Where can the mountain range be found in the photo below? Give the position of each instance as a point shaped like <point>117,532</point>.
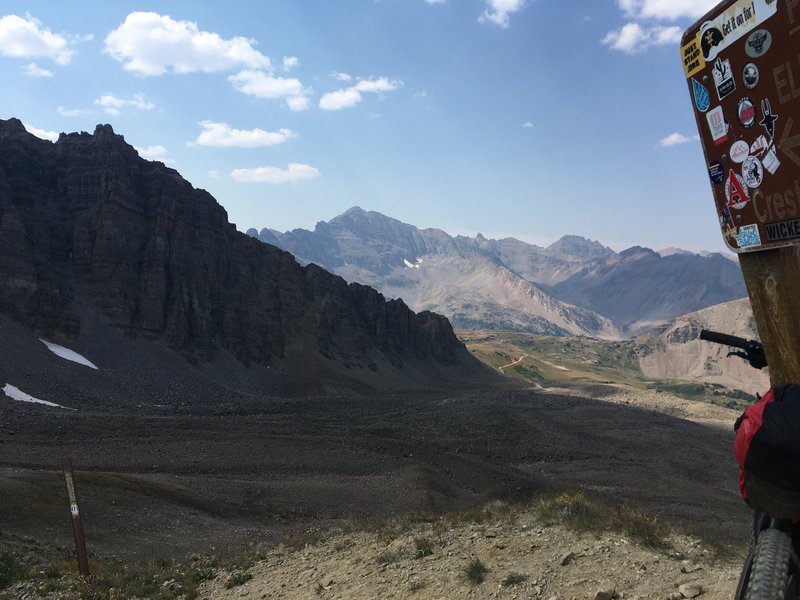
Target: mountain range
<point>575,286</point>
<point>97,243</point>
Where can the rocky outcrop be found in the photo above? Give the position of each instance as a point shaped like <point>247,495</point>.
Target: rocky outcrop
<point>675,350</point>
<point>86,220</point>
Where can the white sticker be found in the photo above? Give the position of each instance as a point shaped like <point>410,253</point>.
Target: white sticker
<point>759,146</point>
<point>771,161</point>
<point>752,172</point>
<point>739,151</point>
<point>717,124</point>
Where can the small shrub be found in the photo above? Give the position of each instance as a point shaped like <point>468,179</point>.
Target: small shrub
<point>644,527</point>
<point>585,514</point>
<point>203,573</point>
<point>416,586</point>
<point>238,578</point>
<point>11,570</point>
<point>546,511</point>
<point>476,570</point>
<point>424,547</point>
<point>513,579</point>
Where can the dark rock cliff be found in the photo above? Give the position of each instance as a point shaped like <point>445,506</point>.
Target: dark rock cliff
<point>86,220</point>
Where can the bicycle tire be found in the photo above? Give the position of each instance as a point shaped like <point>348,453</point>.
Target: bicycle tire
<point>770,572</point>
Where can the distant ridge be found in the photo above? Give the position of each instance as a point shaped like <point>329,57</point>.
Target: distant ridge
<point>574,286</point>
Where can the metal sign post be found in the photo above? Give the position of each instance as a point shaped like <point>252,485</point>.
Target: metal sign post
<point>742,66</point>
<point>77,527</point>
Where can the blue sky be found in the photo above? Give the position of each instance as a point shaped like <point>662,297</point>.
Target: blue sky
<point>524,118</point>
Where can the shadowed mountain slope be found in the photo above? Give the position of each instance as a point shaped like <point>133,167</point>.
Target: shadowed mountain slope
<point>89,230</point>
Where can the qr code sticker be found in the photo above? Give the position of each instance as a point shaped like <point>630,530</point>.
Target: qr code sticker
<point>748,236</point>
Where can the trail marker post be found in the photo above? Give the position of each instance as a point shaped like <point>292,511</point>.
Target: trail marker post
<point>77,526</point>
<point>742,66</point>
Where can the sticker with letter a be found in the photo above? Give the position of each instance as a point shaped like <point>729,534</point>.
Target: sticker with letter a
<point>736,191</point>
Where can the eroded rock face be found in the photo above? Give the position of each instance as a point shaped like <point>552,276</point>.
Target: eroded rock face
<point>85,219</point>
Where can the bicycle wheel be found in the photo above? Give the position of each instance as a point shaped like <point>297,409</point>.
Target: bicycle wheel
<point>770,571</point>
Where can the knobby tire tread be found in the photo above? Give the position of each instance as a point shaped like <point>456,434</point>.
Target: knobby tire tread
<point>770,571</point>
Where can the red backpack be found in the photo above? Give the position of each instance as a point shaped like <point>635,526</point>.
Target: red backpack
<point>767,448</point>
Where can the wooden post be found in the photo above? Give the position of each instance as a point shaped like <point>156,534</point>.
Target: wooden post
<point>772,278</point>
<point>77,527</point>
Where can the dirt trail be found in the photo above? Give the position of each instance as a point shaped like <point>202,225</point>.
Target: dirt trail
<point>512,363</point>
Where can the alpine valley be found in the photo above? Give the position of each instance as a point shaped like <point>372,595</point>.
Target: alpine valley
<point>573,287</point>
<point>216,392</point>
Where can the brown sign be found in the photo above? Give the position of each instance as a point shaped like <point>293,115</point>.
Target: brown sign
<point>742,64</point>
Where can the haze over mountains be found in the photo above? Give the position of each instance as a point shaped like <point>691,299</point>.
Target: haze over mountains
<point>573,287</point>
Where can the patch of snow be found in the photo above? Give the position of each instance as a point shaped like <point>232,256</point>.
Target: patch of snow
<point>411,265</point>
<point>16,394</point>
<point>68,354</point>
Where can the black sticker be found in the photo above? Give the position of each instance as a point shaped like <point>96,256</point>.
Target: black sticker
<point>716,171</point>
<point>723,78</point>
<point>768,122</point>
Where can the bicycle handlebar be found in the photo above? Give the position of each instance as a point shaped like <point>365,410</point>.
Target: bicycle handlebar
<point>723,338</point>
<point>753,350</point>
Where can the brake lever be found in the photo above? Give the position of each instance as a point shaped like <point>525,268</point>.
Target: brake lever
<point>754,355</point>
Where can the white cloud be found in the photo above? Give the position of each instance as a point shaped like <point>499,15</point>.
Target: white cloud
<point>668,10</point>
<point>294,172</point>
<point>527,125</point>
<point>498,11</point>
<point>113,105</point>
<point>435,1</point>
<point>632,38</point>
<point>341,76</point>
<point>71,112</point>
<point>150,44</point>
<point>290,62</point>
<point>25,38</point>
<point>221,135</point>
<point>676,138</point>
<point>265,85</point>
<point>297,103</point>
<point>157,152</point>
<point>51,136</point>
<point>34,70</point>
<point>214,174</point>
<point>349,97</point>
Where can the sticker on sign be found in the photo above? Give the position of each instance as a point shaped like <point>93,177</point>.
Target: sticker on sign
<point>748,51</point>
<point>723,30</point>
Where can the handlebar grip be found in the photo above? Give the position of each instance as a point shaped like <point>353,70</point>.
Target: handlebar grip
<point>723,338</point>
